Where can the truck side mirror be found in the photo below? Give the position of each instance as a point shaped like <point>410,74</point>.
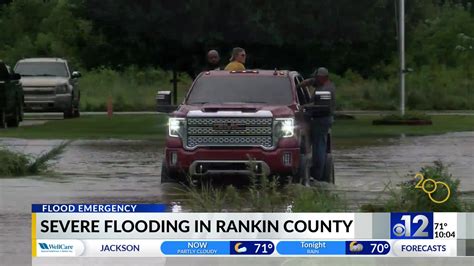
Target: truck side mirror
<point>76,74</point>
<point>163,102</point>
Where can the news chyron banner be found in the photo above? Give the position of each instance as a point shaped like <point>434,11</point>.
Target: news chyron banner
<point>149,230</point>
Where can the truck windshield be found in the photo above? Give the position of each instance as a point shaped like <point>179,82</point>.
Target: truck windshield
<point>241,89</point>
<point>44,69</point>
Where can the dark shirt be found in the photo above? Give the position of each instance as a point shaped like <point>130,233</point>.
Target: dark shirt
<point>209,67</point>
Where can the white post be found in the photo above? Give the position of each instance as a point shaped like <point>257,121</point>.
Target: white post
<point>402,54</point>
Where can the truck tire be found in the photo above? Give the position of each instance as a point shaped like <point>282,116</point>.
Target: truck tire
<point>3,122</point>
<point>15,120</point>
<point>77,113</point>
<point>69,112</point>
<point>22,112</point>
<point>328,173</point>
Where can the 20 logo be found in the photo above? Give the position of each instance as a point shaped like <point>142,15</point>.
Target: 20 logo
<point>429,186</point>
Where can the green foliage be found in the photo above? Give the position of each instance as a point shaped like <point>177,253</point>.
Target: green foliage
<point>13,164</point>
<point>131,89</point>
<point>409,198</point>
<point>263,194</point>
<point>362,128</point>
<point>432,87</point>
<point>33,28</point>
<point>40,164</point>
<point>407,116</point>
<point>17,164</point>
<point>439,49</point>
<point>121,45</point>
<point>208,198</point>
<point>444,38</point>
<point>312,199</point>
<point>121,32</point>
<point>150,127</point>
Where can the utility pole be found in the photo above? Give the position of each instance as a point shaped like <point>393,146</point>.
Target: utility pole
<point>401,39</point>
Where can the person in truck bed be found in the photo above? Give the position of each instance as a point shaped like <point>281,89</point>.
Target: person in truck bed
<point>320,125</point>
<point>237,60</point>
<point>213,61</point>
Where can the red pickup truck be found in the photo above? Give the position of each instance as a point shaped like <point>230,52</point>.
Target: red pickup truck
<point>231,118</point>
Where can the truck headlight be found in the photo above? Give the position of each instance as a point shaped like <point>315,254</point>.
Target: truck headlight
<point>61,89</point>
<point>176,126</point>
<point>284,127</point>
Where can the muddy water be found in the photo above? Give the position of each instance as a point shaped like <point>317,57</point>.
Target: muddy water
<point>129,171</point>
<point>370,168</point>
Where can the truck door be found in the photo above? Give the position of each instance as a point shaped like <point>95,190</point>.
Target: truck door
<point>301,121</point>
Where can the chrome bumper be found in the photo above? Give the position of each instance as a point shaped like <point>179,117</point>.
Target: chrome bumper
<point>228,167</point>
<point>59,102</point>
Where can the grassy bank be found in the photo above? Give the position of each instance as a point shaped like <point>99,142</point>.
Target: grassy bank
<point>95,127</point>
<point>154,127</point>
<point>431,87</point>
<point>131,89</point>
<point>362,127</point>
<point>262,195</point>
<point>268,195</point>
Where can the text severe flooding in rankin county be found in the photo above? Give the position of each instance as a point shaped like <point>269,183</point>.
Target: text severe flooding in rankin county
<point>231,226</point>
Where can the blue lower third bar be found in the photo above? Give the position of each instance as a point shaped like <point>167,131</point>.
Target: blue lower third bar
<point>311,248</point>
<point>194,248</point>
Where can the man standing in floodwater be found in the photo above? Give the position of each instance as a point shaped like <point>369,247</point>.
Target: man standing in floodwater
<point>320,125</point>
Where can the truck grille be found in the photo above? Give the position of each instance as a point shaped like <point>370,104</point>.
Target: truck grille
<point>46,91</point>
<point>239,131</point>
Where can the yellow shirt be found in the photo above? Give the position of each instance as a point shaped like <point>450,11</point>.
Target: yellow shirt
<point>234,66</point>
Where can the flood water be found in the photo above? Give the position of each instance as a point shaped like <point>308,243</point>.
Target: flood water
<point>105,171</point>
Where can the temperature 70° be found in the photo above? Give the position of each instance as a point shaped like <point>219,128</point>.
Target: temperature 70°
<point>379,248</point>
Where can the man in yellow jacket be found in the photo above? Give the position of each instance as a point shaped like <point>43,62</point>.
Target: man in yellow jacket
<point>237,60</point>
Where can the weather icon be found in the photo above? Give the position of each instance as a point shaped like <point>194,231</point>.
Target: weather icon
<point>239,249</point>
<point>355,247</point>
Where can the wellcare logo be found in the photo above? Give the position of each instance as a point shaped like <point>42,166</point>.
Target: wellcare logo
<point>56,248</point>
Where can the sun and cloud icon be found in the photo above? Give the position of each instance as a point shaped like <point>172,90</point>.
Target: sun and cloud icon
<point>239,249</point>
<point>355,247</point>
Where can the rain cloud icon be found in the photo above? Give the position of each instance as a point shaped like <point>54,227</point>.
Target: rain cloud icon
<point>355,247</point>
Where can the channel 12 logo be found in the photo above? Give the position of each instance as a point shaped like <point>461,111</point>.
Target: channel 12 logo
<point>411,225</point>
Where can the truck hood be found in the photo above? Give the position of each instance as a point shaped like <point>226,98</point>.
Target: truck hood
<point>276,110</point>
<point>43,81</point>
